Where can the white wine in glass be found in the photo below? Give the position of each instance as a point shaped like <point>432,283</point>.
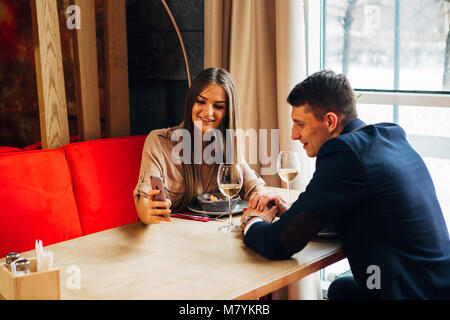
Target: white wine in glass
<point>229,180</point>
<point>230,190</point>
<point>288,167</point>
<point>288,175</point>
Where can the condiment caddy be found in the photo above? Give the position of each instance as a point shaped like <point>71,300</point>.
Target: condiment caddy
<point>29,279</point>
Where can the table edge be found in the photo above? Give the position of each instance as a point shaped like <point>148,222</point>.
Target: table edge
<point>291,276</point>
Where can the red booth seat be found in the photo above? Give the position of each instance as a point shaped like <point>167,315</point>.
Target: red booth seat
<point>57,195</point>
<point>104,174</point>
<point>9,149</point>
<point>36,200</point>
<point>38,145</point>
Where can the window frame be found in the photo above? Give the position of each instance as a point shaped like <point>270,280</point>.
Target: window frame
<point>315,47</point>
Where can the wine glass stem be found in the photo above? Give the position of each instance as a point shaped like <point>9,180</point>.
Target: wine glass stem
<point>231,215</point>
<point>289,193</point>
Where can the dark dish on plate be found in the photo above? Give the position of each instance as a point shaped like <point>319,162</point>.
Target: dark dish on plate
<point>216,202</point>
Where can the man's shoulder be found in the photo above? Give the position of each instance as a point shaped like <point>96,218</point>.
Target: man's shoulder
<point>364,139</point>
<point>371,133</point>
<point>380,129</point>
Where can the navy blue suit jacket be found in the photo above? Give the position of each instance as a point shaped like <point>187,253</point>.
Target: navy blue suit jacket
<point>377,192</point>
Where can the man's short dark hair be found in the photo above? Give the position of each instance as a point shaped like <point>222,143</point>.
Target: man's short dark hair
<point>326,91</point>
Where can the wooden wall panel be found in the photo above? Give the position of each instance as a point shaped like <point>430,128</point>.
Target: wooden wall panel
<point>86,73</point>
<point>116,69</point>
<point>49,73</point>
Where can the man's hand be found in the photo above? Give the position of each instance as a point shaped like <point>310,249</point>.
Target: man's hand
<point>260,200</point>
<point>267,214</point>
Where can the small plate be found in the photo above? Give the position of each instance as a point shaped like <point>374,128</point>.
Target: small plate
<point>195,207</point>
<point>220,204</point>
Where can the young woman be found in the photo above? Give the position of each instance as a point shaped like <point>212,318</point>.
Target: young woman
<point>211,103</point>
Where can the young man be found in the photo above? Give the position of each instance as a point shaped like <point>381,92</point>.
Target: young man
<point>372,186</point>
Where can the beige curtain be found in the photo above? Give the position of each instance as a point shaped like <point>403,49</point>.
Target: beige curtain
<point>262,44</point>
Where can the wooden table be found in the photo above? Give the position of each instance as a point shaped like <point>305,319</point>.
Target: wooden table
<point>183,259</point>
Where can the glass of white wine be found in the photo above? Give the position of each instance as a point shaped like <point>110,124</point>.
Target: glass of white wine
<point>229,180</point>
<point>288,167</point>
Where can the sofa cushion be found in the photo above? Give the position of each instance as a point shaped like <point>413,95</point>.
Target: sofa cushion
<point>104,174</point>
<point>9,149</point>
<point>36,200</point>
<point>38,145</point>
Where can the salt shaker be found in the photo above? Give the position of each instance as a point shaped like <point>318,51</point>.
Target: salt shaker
<point>21,267</point>
<point>10,257</point>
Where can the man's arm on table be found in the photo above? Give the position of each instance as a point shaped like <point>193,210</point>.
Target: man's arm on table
<point>338,185</point>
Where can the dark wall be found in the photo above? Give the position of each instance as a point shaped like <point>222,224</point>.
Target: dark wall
<point>157,74</point>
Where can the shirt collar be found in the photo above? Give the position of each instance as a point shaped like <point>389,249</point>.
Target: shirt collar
<point>355,124</point>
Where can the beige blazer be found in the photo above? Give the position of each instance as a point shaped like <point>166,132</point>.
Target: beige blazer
<point>157,161</point>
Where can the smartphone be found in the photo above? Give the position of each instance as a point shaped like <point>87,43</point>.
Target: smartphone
<point>157,184</point>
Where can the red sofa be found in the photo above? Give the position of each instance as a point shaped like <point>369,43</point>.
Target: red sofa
<point>60,194</point>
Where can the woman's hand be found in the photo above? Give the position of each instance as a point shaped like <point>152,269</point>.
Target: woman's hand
<point>268,214</point>
<point>260,200</point>
<point>153,211</point>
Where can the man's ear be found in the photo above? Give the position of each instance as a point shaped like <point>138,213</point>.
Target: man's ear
<point>332,121</point>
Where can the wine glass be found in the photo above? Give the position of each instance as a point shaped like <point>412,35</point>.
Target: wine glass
<point>288,166</point>
<point>229,180</point>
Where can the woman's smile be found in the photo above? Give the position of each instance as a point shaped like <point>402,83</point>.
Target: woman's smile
<point>210,108</point>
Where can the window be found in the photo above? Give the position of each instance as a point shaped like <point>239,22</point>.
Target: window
<point>388,44</point>
<point>396,53</point>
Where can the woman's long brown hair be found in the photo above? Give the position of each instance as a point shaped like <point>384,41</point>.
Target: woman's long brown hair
<point>209,76</point>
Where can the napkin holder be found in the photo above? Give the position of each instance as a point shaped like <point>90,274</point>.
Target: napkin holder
<point>36,285</point>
